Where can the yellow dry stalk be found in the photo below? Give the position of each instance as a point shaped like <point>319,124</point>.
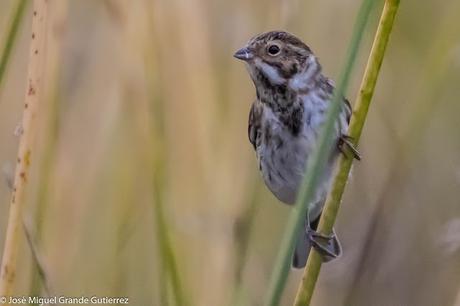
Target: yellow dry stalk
<point>27,136</point>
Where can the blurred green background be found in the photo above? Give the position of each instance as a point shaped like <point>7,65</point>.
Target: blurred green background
<point>146,185</point>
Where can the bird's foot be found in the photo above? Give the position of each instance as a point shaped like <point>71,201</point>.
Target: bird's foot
<point>328,246</point>
<point>347,147</point>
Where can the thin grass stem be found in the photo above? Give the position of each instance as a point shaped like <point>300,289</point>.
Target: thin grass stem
<point>166,252</point>
<point>307,285</point>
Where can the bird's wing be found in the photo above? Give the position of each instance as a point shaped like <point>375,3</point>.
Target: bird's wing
<point>254,124</point>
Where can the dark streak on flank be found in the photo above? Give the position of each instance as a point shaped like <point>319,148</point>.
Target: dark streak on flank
<point>280,175</point>
<point>282,160</point>
<point>267,134</point>
<point>279,143</point>
<point>308,118</point>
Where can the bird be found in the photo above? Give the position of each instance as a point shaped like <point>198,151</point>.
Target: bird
<point>291,104</point>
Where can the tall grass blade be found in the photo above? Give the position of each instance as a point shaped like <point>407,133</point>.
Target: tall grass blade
<point>11,37</point>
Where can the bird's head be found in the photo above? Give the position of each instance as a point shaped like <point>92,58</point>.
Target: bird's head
<point>279,58</point>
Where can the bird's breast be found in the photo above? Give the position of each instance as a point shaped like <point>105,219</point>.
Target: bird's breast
<point>282,154</point>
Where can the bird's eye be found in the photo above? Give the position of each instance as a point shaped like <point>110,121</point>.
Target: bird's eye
<point>273,50</point>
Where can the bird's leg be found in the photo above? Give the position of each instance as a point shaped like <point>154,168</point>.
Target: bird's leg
<point>328,246</point>
<point>345,146</point>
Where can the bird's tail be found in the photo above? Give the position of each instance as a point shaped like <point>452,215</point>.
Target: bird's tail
<point>299,260</point>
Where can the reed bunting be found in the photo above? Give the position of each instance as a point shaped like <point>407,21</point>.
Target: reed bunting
<point>284,123</point>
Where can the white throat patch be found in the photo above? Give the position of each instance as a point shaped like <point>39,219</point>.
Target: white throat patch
<point>271,73</point>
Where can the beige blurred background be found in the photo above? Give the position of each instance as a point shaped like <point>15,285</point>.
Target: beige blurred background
<point>146,186</point>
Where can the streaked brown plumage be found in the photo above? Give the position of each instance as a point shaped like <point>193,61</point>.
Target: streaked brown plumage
<point>292,100</point>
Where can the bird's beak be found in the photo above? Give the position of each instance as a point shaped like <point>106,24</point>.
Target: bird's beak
<point>244,54</point>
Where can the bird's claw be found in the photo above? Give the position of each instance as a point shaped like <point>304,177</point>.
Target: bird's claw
<point>327,246</point>
<point>346,146</point>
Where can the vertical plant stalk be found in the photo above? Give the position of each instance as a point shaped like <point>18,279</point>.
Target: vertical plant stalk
<point>57,19</point>
<point>170,276</point>
<point>11,37</point>
<point>317,163</point>
<point>366,92</point>
<point>162,227</point>
<point>27,136</point>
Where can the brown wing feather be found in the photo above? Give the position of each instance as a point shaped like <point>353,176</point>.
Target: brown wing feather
<point>254,123</point>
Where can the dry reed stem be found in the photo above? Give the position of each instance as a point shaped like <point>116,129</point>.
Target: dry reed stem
<point>27,136</point>
<point>57,21</point>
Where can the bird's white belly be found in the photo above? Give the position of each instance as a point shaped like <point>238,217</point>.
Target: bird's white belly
<point>283,170</point>
<point>283,158</point>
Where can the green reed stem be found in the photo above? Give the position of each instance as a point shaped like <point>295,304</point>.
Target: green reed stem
<point>166,251</point>
<point>11,36</point>
<point>166,246</point>
<point>162,228</point>
<point>316,165</point>
<point>307,285</point>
